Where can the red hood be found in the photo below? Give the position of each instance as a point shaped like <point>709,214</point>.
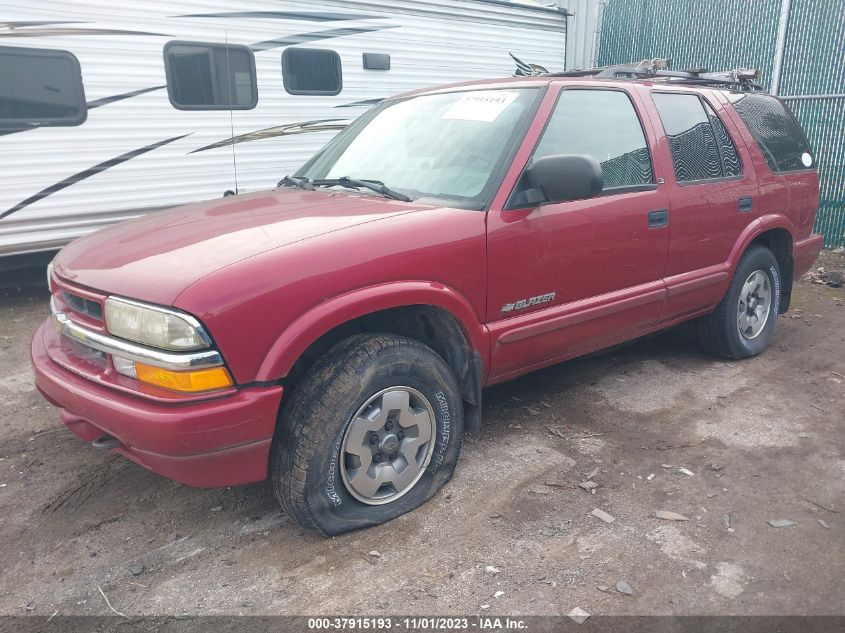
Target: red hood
<point>156,257</point>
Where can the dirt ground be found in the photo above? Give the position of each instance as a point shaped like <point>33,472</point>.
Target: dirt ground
<point>512,533</point>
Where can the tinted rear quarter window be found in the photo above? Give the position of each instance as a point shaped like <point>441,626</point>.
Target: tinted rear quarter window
<point>210,76</point>
<point>776,131</point>
<point>311,71</point>
<point>731,163</point>
<point>40,87</point>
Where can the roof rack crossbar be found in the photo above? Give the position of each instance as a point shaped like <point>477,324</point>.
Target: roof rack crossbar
<point>737,79</point>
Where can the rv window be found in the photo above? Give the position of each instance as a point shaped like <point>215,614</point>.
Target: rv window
<point>40,87</point>
<point>210,76</point>
<point>311,71</point>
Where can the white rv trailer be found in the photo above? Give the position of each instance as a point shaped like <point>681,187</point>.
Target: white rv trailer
<point>109,110</point>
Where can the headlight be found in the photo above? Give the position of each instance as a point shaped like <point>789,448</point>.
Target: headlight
<point>153,326</point>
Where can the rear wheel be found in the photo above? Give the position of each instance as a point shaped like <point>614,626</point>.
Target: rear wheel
<point>744,321</point>
<point>372,432</point>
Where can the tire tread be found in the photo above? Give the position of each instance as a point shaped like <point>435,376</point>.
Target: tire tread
<point>301,433</point>
<point>713,329</point>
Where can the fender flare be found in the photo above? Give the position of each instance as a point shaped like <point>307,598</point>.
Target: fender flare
<point>322,318</point>
<point>754,230</point>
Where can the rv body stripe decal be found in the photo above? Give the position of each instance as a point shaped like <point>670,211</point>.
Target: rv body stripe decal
<point>302,38</point>
<point>17,25</point>
<point>61,31</point>
<point>314,16</point>
<point>87,173</point>
<point>365,102</point>
<point>126,95</point>
<point>90,105</point>
<point>303,127</point>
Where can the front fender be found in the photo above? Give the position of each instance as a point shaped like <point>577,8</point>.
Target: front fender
<point>309,327</point>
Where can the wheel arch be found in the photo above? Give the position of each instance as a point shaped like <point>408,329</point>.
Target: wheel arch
<point>777,233</point>
<point>431,313</point>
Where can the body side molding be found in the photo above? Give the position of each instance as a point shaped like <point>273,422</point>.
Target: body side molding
<point>558,317</point>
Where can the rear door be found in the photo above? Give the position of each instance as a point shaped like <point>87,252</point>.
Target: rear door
<point>566,277</point>
<point>713,193</point>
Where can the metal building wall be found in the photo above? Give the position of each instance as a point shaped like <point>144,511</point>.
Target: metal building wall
<point>735,33</point>
<point>582,29</point>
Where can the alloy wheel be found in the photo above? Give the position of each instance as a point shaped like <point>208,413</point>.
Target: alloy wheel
<point>387,445</point>
<point>755,299</point>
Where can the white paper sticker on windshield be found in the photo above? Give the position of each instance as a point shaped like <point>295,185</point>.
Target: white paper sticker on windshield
<point>806,159</point>
<point>481,105</point>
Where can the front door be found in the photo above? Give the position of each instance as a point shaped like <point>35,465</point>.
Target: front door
<point>570,276</point>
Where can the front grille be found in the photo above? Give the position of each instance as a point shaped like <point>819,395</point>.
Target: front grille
<point>86,307</point>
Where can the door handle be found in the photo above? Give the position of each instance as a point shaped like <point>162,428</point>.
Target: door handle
<point>744,204</point>
<point>658,218</point>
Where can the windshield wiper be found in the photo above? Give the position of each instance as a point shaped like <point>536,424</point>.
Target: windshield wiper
<point>373,185</point>
<point>293,181</point>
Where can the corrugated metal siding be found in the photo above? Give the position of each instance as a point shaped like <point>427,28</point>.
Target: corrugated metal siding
<point>735,33</point>
<point>582,32</point>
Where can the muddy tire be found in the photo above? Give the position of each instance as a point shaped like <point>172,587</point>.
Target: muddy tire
<point>744,321</point>
<point>372,432</point>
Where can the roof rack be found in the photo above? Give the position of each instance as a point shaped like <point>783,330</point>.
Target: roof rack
<point>743,79</point>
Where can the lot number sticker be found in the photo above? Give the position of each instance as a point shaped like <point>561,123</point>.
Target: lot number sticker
<point>481,105</point>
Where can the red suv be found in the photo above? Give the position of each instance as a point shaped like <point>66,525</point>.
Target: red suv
<point>335,334</point>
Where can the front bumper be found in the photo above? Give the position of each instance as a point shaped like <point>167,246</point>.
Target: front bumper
<point>210,443</point>
<point>805,252</point>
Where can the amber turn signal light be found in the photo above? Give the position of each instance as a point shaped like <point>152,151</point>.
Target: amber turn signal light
<point>186,381</point>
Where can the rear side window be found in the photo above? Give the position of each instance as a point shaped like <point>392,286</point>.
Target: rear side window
<point>40,87</point>
<point>776,131</point>
<point>210,76</point>
<point>731,163</point>
<point>602,124</point>
<point>311,71</point>
<point>700,145</point>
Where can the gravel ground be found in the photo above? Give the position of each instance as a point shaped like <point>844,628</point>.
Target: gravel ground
<point>656,425</point>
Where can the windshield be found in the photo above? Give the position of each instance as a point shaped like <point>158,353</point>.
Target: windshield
<point>443,145</point>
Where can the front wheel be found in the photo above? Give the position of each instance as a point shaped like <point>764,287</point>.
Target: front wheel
<point>744,321</point>
<point>372,432</point>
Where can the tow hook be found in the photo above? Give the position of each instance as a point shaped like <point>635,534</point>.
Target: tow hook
<point>106,443</point>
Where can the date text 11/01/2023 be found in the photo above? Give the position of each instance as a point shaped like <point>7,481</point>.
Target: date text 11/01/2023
<point>417,623</point>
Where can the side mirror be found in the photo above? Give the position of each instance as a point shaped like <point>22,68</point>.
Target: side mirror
<point>564,177</point>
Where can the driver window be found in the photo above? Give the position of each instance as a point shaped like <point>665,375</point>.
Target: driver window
<point>602,124</point>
